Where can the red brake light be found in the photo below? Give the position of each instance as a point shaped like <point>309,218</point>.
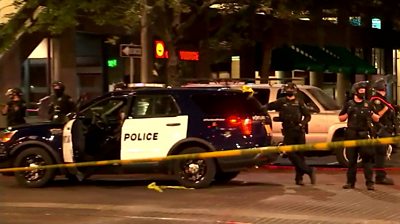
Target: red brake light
<point>234,121</point>
<point>244,124</point>
<point>247,126</point>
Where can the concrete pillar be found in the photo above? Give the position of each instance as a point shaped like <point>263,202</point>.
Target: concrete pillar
<point>284,76</point>
<point>235,67</point>
<point>398,88</point>
<point>10,72</point>
<point>10,76</point>
<point>25,86</point>
<point>342,85</point>
<point>146,61</point>
<point>388,61</point>
<point>316,79</point>
<point>203,68</point>
<point>64,62</point>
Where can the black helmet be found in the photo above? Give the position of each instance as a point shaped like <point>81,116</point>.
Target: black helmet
<point>359,85</point>
<point>119,86</point>
<point>58,85</point>
<point>14,92</point>
<point>289,88</point>
<point>379,84</point>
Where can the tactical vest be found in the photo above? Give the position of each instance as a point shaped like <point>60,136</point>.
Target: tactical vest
<point>290,113</point>
<point>16,117</point>
<point>359,116</point>
<point>388,118</point>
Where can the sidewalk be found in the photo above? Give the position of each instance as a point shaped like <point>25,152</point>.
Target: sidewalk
<point>326,202</point>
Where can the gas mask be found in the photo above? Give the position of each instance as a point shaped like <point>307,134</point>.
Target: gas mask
<point>58,92</point>
<point>289,93</point>
<point>360,95</point>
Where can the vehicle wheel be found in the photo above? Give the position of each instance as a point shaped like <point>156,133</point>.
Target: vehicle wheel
<point>225,177</point>
<point>32,157</point>
<point>194,173</point>
<point>342,155</point>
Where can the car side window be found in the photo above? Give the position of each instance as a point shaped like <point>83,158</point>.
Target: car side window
<point>109,107</point>
<point>154,106</point>
<point>165,106</point>
<point>279,94</point>
<point>141,106</point>
<point>308,102</point>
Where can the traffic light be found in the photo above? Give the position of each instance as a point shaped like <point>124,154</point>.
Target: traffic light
<point>112,63</point>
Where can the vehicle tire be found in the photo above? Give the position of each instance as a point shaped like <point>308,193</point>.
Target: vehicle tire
<point>225,177</point>
<point>34,157</point>
<point>194,173</point>
<point>341,154</point>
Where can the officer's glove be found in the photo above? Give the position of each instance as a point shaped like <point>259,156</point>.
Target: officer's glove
<point>282,153</point>
<point>388,152</point>
<point>303,124</point>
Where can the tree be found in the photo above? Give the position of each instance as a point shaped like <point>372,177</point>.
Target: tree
<point>170,19</point>
<point>230,24</point>
<point>55,16</point>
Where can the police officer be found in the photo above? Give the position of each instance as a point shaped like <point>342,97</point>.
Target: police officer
<point>120,86</point>
<point>60,103</point>
<point>15,109</point>
<point>384,128</point>
<point>294,116</point>
<point>359,115</point>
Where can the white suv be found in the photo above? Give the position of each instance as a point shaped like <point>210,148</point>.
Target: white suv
<point>324,125</point>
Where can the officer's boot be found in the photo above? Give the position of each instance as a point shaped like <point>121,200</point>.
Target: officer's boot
<point>370,187</point>
<point>299,179</point>
<point>348,186</point>
<point>299,182</point>
<point>384,181</point>
<point>312,175</point>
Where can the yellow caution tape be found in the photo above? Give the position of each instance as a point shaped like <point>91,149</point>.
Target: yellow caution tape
<point>223,153</point>
<point>153,186</point>
<point>159,188</point>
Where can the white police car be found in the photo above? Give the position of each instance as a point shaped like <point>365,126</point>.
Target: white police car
<point>145,123</point>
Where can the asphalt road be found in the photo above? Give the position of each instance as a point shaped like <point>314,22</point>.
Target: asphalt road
<point>255,196</point>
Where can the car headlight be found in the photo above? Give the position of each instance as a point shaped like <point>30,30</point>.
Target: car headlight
<point>6,136</point>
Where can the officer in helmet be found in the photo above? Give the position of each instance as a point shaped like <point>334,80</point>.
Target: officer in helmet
<point>15,108</point>
<point>384,128</point>
<point>120,86</point>
<point>294,116</point>
<point>60,103</point>
<point>359,115</point>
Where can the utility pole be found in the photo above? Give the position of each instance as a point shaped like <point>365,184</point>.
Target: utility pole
<point>146,59</point>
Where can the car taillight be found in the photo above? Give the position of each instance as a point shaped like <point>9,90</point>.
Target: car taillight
<point>245,125</point>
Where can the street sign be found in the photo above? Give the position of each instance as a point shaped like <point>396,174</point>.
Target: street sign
<point>130,50</point>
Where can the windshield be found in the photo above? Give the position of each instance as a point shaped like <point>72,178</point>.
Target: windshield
<point>324,99</point>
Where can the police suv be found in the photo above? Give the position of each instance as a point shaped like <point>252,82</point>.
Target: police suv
<point>141,124</point>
